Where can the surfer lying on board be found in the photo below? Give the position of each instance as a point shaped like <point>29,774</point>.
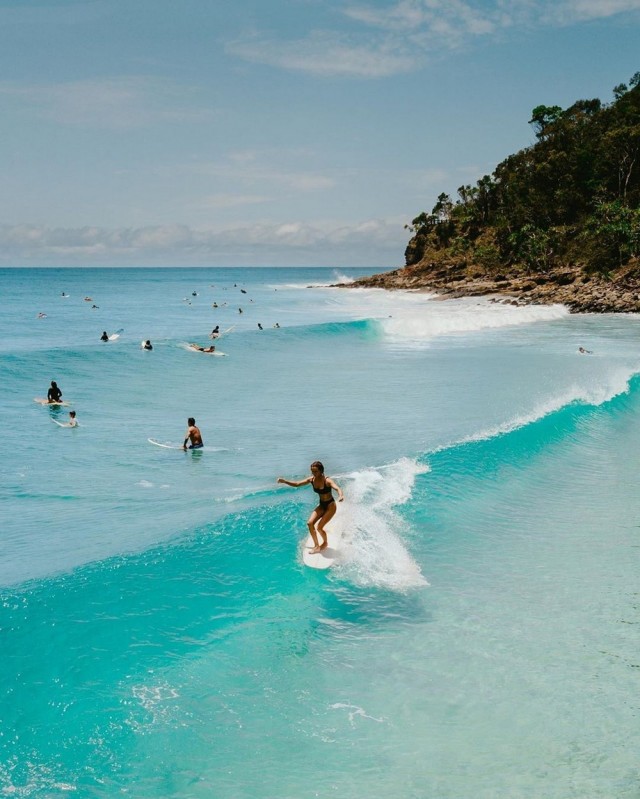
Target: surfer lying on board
<point>326,508</point>
<point>202,349</point>
<point>193,434</point>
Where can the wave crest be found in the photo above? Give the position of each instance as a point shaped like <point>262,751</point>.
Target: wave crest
<point>375,553</point>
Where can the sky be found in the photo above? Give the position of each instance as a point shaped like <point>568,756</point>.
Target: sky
<point>273,132</point>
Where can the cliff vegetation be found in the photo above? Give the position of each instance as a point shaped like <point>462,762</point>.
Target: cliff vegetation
<point>558,221</point>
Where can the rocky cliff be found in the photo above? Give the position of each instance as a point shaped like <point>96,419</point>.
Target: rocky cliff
<point>570,285</point>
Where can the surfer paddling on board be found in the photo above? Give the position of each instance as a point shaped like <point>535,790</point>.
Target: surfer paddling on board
<point>54,394</point>
<point>326,508</point>
<point>193,434</point>
<point>197,347</point>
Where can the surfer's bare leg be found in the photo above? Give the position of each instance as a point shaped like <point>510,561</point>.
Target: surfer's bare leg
<point>325,519</point>
<point>311,524</point>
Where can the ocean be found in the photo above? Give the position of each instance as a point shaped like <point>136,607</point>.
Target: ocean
<point>161,637</point>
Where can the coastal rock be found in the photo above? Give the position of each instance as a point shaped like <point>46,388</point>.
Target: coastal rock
<point>568,285</point>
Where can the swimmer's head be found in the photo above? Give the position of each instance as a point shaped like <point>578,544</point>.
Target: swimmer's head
<point>317,465</point>
<point>72,414</point>
<point>191,420</point>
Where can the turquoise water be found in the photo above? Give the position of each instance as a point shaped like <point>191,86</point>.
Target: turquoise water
<point>160,635</point>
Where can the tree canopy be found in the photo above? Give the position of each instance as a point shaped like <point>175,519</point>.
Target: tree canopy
<point>571,197</point>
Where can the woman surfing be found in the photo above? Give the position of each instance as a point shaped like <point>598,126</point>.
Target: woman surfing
<point>326,508</point>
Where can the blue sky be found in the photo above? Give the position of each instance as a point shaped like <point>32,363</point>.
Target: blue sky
<point>273,132</point>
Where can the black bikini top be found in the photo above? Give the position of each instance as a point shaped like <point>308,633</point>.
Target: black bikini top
<point>326,490</point>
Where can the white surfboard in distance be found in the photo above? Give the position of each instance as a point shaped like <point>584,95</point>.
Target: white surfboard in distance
<point>328,556</point>
<point>220,335</point>
<point>65,424</point>
<point>164,445</point>
<point>191,348</point>
<point>44,401</point>
<point>172,445</point>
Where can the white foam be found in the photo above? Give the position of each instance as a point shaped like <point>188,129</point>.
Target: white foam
<point>374,535</point>
<point>617,383</point>
<point>343,280</point>
<point>448,317</point>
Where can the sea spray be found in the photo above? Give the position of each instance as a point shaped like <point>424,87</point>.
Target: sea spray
<point>375,536</point>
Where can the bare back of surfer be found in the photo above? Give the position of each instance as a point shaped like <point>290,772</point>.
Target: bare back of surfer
<point>326,508</point>
<point>193,435</point>
<point>54,394</point>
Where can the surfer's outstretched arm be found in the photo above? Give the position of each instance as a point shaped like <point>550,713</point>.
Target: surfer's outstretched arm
<point>331,482</point>
<point>293,483</point>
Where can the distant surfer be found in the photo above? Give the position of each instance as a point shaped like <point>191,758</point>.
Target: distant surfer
<point>197,347</point>
<point>73,422</point>
<point>193,435</point>
<point>326,507</point>
<point>147,345</point>
<point>42,315</point>
<point>54,394</point>
<point>582,351</point>
<point>260,326</point>
<point>215,332</point>
<point>104,336</point>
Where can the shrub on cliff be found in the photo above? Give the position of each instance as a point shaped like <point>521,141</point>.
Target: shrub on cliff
<point>574,194</point>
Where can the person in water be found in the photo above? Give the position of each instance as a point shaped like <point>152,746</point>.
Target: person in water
<point>54,394</point>
<point>582,351</point>
<point>193,435</point>
<point>104,336</point>
<point>195,346</point>
<point>326,507</point>
<point>147,345</point>
<point>215,332</point>
<point>73,422</point>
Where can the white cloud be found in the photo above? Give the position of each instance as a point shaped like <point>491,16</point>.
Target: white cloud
<point>374,241</point>
<point>396,37</point>
<point>329,54</point>
<point>579,10</point>
<point>122,102</point>
<point>231,200</point>
<point>247,169</point>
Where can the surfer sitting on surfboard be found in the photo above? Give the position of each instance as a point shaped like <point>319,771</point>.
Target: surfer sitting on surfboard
<point>193,434</point>
<point>326,508</point>
<point>54,394</point>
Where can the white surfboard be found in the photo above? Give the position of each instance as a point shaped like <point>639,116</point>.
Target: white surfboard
<point>44,401</point>
<point>114,336</point>
<point>168,445</point>
<point>195,349</point>
<point>64,424</point>
<point>220,335</point>
<point>328,556</point>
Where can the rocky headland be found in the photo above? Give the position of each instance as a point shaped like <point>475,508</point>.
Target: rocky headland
<point>569,285</point>
<point>556,222</point>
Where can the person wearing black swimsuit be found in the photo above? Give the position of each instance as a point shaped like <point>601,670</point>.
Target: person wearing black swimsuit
<point>326,507</point>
